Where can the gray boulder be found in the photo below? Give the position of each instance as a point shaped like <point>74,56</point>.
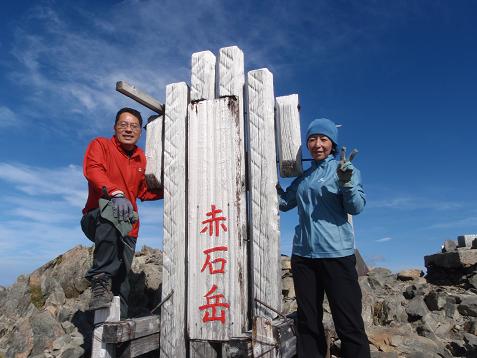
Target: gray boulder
<point>435,300</point>
<point>449,246</point>
<point>416,308</point>
<point>468,306</point>
<point>409,275</point>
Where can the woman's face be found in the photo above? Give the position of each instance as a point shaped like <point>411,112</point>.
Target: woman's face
<point>320,146</point>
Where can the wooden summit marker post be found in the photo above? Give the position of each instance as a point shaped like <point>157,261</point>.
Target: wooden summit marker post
<point>217,303</point>
<point>221,288</point>
<point>213,245</point>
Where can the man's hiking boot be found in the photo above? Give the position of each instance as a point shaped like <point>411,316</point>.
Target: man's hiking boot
<point>101,294</point>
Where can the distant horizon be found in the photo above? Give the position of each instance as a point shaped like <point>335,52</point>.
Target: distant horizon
<point>400,77</point>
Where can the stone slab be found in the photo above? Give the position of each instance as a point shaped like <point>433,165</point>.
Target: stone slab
<point>466,240</point>
<point>458,259</point>
<point>409,274</point>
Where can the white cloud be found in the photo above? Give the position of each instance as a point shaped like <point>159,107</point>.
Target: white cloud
<point>73,58</point>
<point>384,239</point>
<point>7,117</point>
<point>413,203</point>
<point>67,182</point>
<point>466,222</point>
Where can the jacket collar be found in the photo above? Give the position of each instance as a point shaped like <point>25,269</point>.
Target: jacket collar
<point>116,142</point>
<point>321,163</point>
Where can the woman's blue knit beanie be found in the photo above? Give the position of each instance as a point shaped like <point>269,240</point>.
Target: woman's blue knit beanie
<point>323,126</point>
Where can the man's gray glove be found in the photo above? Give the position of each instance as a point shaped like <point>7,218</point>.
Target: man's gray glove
<point>122,208</point>
<point>345,168</point>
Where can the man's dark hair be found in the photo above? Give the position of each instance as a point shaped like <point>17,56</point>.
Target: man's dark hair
<point>131,111</point>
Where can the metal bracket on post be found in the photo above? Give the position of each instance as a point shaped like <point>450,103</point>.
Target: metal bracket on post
<point>163,301</point>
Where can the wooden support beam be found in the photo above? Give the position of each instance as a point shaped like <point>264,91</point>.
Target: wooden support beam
<point>263,341</point>
<point>140,346</point>
<point>265,231</point>
<point>140,97</point>
<point>173,311</point>
<point>202,76</point>
<point>100,348</point>
<point>123,331</point>
<point>287,116</point>
<point>154,153</point>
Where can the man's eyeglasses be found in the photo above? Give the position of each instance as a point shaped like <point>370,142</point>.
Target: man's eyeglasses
<point>134,127</point>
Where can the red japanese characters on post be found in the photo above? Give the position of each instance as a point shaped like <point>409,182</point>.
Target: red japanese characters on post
<point>214,224</point>
<point>214,304</point>
<point>219,261</point>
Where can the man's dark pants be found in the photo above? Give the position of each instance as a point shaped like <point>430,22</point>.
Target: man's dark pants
<point>113,254</point>
<point>337,278</point>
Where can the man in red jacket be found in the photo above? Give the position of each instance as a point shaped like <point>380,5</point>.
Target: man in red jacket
<point>114,168</point>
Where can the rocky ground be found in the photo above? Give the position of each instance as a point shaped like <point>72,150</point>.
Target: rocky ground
<point>406,315</point>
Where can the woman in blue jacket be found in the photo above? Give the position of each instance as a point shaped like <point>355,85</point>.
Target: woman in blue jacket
<point>323,258</point>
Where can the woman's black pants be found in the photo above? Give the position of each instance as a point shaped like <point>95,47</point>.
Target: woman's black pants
<point>337,278</point>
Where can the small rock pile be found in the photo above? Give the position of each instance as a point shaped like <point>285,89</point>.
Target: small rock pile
<point>44,315</point>
<point>456,264</point>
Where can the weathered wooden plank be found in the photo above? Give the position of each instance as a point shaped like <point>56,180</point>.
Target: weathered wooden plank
<point>231,82</point>
<point>139,96</point>
<point>215,192</point>
<point>173,311</point>
<point>265,235</point>
<point>203,76</point>
<point>284,333</point>
<point>154,153</point>
<point>204,349</point>
<point>288,135</point>
<point>263,340</point>
<point>237,348</point>
<point>123,331</point>
<point>101,349</point>
<point>140,346</point>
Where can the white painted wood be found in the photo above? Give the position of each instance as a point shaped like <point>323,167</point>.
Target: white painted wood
<point>230,72</point>
<point>173,314</point>
<point>265,235</point>
<point>231,82</point>
<point>111,314</point>
<point>288,135</point>
<point>139,96</point>
<point>263,341</point>
<point>203,76</point>
<point>154,153</point>
<point>215,178</point>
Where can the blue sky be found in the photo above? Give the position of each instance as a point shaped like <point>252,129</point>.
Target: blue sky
<point>400,76</point>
